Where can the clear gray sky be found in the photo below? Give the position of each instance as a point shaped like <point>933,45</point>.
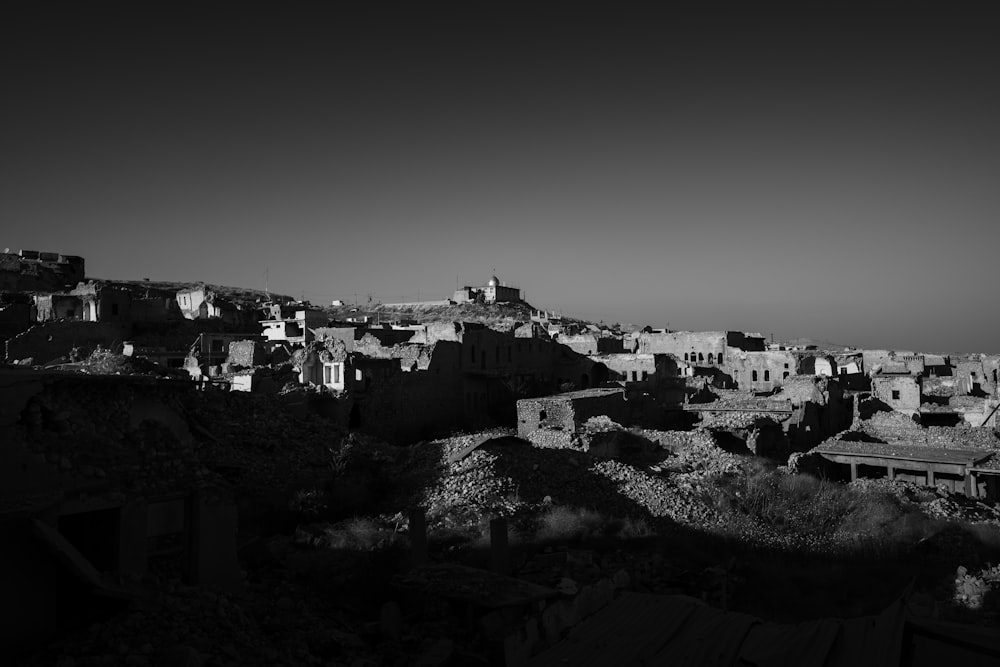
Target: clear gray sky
<point>830,176</point>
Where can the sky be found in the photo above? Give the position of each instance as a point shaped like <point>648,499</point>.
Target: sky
<point>831,176</point>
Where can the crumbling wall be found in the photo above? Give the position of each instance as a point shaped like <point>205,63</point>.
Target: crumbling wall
<point>565,412</point>
<point>50,340</point>
<point>246,353</point>
<point>629,367</point>
<point>971,377</point>
<point>551,413</point>
<point>50,307</point>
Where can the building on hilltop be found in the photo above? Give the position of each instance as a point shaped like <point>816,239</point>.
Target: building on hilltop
<point>494,291</point>
<point>33,271</point>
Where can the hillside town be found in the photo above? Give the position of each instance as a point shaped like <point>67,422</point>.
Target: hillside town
<point>180,460</point>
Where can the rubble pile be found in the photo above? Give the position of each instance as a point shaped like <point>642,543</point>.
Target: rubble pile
<point>733,421</point>
<point>259,441</point>
<point>274,622</point>
<point>971,590</point>
<point>492,481</point>
<point>91,434</point>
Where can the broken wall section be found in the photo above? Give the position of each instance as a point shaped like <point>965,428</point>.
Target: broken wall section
<point>45,342</point>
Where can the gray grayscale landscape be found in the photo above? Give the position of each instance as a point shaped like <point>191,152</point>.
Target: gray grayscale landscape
<point>498,337</point>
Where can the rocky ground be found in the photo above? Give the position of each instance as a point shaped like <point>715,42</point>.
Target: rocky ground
<point>321,596</point>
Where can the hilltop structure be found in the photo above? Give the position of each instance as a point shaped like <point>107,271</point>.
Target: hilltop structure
<point>494,291</point>
<point>31,270</point>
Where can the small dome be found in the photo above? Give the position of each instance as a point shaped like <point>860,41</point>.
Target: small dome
<point>493,282</point>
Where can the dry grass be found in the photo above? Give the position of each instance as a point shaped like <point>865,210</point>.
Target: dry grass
<point>569,524</point>
<point>801,506</point>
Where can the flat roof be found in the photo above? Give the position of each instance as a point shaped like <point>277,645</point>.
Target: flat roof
<point>905,451</point>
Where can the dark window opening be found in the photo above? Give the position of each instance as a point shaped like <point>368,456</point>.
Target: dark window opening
<point>785,374</point>
<point>755,376</point>
<point>216,345</point>
<point>543,415</point>
<point>711,358</point>
<point>685,356</point>
<point>645,375</point>
<point>786,365</point>
<point>895,394</point>
<point>701,357</point>
<point>767,376</point>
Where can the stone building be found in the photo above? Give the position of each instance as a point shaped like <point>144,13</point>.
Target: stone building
<point>494,291</point>
<point>33,271</point>
<point>900,391</point>
<point>761,371</point>
<point>296,330</point>
<point>563,414</point>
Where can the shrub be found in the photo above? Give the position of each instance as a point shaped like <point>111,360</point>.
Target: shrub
<point>358,534</point>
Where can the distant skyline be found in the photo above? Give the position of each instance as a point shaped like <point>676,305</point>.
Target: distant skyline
<point>831,177</point>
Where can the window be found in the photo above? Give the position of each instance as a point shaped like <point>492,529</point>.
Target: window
<point>326,375</point>
<point>686,356</point>
<point>786,365</point>
<point>336,373</point>
<point>216,345</point>
<point>895,394</point>
<point>542,415</point>
<point>711,358</point>
<point>358,375</point>
<point>755,376</point>
<point>701,357</point>
<point>635,376</point>
<point>767,376</point>
<point>784,375</point>
<point>645,375</point>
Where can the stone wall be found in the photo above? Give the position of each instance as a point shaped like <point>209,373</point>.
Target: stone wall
<point>580,343</point>
<point>628,367</point>
<point>701,347</point>
<point>566,412</point>
<point>246,353</point>
<point>899,392</point>
<point>50,340</point>
<point>50,307</point>
<point>760,371</point>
